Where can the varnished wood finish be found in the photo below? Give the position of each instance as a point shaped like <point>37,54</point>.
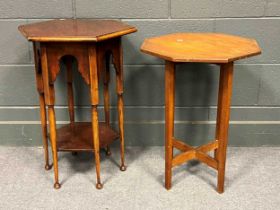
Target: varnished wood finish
<point>182,158</point>
<point>56,51</point>
<point>198,153</point>
<point>225,89</point>
<point>201,47</point>
<point>106,94</point>
<point>40,89</point>
<point>95,130</point>
<point>212,145</point>
<point>118,63</point>
<point>91,43</point>
<point>52,122</point>
<point>44,130</point>
<point>219,49</point>
<point>70,30</point>
<point>169,119</point>
<point>70,90</point>
<point>78,137</point>
<point>94,114</point>
<point>50,100</point>
<point>181,145</point>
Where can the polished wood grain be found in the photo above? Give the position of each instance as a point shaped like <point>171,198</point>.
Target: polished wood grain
<point>198,153</point>
<point>44,130</point>
<point>43,115</point>
<point>69,65</point>
<point>220,49</point>
<point>52,122</point>
<point>212,145</point>
<point>94,114</point>
<point>91,43</point>
<point>225,90</point>
<point>106,93</point>
<point>57,51</point>
<point>200,47</point>
<point>50,100</point>
<point>118,63</point>
<point>78,137</point>
<point>73,30</point>
<point>180,145</point>
<point>182,158</point>
<point>169,119</point>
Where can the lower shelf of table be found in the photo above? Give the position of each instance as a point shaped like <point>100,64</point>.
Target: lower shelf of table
<point>78,137</point>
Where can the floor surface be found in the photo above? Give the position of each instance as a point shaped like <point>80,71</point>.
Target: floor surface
<point>252,181</point>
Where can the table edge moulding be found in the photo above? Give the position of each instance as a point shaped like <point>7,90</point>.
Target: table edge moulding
<point>73,30</point>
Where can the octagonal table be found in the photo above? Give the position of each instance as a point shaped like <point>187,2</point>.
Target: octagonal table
<point>213,48</point>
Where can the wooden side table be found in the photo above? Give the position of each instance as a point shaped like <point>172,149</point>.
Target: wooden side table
<point>220,49</point>
<point>91,43</point>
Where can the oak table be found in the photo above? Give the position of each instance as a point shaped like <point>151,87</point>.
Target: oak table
<point>91,43</point>
<point>213,48</point>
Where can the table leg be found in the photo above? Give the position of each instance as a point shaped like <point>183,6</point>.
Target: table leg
<point>70,95</point>
<point>223,115</point>
<point>70,90</point>
<point>121,126</point>
<point>39,83</point>
<point>44,130</point>
<point>107,96</point>
<point>94,114</point>
<point>52,122</point>
<point>169,119</point>
<point>49,98</point>
<point>95,129</point>
<point>118,62</point>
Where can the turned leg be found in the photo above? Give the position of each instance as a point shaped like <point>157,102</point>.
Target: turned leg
<point>121,130</point>
<point>107,96</point>
<point>44,130</point>
<point>53,143</point>
<point>50,99</point>
<point>94,113</point>
<point>96,145</point>
<point>118,62</point>
<point>223,115</point>
<point>70,94</point>
<point>169,119</point>
<point>39,83</point>
<point>70,91</point>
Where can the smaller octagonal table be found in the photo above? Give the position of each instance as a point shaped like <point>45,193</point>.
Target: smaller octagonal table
<point>220,49</point>
<point>91,43</point>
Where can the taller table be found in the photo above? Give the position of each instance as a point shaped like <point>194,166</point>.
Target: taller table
<point>220,49</point>
<point>91,43</point>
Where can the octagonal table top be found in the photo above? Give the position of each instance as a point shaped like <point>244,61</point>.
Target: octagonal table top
<point>201,47</point>
<point>75,30</point>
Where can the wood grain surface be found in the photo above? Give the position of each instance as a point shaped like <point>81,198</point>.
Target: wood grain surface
<point>75,30</point>
<point>200,47</point>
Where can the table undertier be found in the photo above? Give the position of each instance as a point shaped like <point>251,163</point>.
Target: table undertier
<point>78,136</point>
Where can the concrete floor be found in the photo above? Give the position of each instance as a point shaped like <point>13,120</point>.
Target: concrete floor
<point>252,181</point>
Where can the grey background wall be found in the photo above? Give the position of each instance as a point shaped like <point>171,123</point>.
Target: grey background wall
<point>255,113</point>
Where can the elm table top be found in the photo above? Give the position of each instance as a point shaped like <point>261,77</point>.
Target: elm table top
<point>67,30</point>
<point>200,47</point>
